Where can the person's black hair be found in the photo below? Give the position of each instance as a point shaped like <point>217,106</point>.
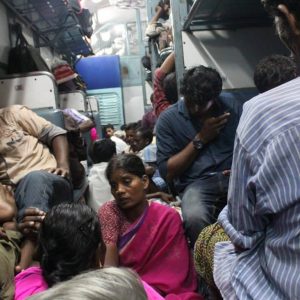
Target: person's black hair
<point>68,241</point>
<point>102,150</point>
<point>272,7</point>
<point>170,87</point>
<point>123,127</point>
<point>131,126</point>
<point>273,71</point>
<point>201,84</point>
<point>128,162</point>
<point>163,2</point>
<point>146,62</point>
<point>109,126</point>
<point>146,134</point>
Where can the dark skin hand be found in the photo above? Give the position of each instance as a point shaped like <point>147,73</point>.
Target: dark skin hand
<point>86,125</point>
<point>212,127</point>
<point>31,222</point>
<point>163,196</point>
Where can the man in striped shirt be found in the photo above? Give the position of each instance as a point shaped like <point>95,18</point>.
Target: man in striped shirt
<point>262,217</point>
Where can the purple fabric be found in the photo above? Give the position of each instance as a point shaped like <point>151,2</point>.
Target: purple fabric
<point>78,117</point>
<point>132,231</point>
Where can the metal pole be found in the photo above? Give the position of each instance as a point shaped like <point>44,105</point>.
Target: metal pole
<point>179,12</point>
<point>141,51</point>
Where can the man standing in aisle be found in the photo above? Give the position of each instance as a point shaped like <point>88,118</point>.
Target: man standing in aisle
<point>262,261</point>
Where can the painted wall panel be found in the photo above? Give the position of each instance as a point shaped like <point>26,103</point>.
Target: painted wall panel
<point>100,72</point>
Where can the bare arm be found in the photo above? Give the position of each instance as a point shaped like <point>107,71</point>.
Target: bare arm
<point>179,162</point>
<point>159,12</point>
<point>61,152</point>
<point>160,102</point>
<point>111,256</point>
<point>169,64</point>
<point>86,125</point>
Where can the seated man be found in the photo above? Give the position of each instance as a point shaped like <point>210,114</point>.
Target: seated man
<point>40,178</point>
<point>130,130</point>
<point>194,147</point>
<point>142,140</point>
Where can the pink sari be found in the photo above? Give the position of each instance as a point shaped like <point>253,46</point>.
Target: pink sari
<point>29,282</point>
<point>159,253</point>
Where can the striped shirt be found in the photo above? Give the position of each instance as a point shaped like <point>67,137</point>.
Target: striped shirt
<point>262,217</point>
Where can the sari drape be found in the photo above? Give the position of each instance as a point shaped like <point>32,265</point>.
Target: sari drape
<point>159,253</point>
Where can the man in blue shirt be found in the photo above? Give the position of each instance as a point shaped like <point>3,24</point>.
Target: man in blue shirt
<point>195,140</point>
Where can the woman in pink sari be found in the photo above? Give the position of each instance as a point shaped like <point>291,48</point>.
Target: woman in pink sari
<point>147,237</point>
<point>69,243</point>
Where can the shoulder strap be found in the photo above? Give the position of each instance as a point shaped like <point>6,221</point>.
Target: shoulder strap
<point>21,40</point>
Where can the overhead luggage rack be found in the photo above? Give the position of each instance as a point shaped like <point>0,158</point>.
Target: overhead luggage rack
<point>224,14</point>
<point>55,23</point>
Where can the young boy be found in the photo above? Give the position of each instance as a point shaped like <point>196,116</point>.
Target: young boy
<point>101,151</point>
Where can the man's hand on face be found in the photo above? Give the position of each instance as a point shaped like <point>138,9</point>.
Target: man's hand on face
<point>212,127</point>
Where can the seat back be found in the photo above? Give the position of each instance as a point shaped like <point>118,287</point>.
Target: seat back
<point>34,90</point>
<point>74,100</point>
<point>54,116</point>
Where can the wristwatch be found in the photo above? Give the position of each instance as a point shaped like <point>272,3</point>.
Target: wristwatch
<point>198,144</point>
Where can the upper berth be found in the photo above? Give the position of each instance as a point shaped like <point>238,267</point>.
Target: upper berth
<point>224,14</point>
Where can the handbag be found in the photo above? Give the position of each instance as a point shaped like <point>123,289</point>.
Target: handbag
<point>24,58</point>
<point>85,19</point>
